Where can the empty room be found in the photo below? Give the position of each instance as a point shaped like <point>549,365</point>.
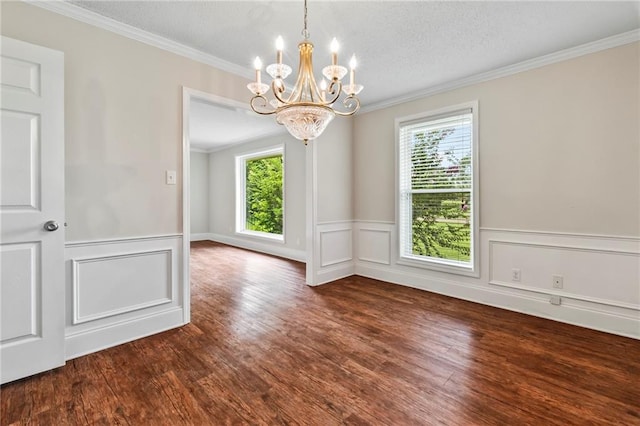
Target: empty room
<point>320,212</point>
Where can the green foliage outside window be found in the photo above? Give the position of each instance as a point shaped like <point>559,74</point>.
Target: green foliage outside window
<point>441,220</point>
<point>264,183</point>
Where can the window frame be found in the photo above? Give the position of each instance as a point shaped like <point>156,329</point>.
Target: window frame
<point>241,192</point>
<point>442,265</point>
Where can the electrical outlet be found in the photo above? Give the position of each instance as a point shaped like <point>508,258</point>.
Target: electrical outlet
<point>557,281</point>
<point>515,275</point>
<point>555,300</point>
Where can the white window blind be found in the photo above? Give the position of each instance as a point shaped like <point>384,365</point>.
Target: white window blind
<point>436,188</point>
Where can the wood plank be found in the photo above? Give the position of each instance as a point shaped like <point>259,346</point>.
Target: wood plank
<point>263,348</point>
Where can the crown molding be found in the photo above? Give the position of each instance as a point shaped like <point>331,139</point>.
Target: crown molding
<point>198,150</point>
<point>552,58</point>
<point>83,15</point>
<point>88,17</point>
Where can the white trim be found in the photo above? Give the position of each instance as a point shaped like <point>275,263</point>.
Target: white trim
<point>259,235</point>
<point>274,249</point>
<point>199,150</point>
<point>88,17</point>
<point>566,247</point>
<point>231,103</point>
<point>472,269</point>
<point>218,100</point>
<point>564,294</point>
<point>562,234</point>
<point>532,304</point>
<point>376,222</point>
<point>187,94</point>
<point>333,273</point>
<point>97,20</point>
<point>579,307</point>
<point>93,340</point>
<point>120,240</point>
<point>335,222</point>
<point>311,213</point>
<point>552,58</point>
<point>199,237</point>
<point>243,141</point>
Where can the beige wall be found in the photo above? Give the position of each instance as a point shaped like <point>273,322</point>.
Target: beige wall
<point>199,197</point>
<point>123,109</point>
<point>334,167</point>
<point>559,147</point>
<point>222,189</point>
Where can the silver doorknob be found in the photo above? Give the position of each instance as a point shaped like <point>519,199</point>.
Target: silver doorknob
<point>51,226</point>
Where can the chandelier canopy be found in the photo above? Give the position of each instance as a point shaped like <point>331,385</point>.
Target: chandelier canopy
<point>305,109</point>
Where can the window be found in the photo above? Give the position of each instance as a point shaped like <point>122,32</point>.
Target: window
<point>259,194</point>
<point>437,197</point>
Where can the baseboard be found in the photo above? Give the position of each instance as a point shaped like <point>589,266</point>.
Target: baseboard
<point>275,249</point>
<point>97,339</point>
<point>333,273</point>
<point>531,304</point>
<point>200,237</point>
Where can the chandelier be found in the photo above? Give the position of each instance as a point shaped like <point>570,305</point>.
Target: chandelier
<point>305,109</point>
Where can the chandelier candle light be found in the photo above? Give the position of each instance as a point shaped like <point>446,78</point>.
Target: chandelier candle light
<point>305,109</point>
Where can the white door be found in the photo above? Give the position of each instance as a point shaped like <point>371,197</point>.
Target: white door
<point>31,207</point>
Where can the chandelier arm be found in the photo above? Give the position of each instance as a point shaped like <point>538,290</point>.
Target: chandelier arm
<point>349,102</point>
<point>278,90</point>
<point>260,108</point>
<point>334,89</point>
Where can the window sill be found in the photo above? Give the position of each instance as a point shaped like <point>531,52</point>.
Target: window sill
<point>449,267</point>
<point>262,236</point>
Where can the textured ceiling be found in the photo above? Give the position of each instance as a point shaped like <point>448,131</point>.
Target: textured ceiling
<point>401,46</point>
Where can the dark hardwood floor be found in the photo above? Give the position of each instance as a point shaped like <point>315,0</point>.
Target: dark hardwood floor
<point>264,348</point>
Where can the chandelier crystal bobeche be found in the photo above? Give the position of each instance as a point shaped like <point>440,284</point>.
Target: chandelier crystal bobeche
<point>305,109</point>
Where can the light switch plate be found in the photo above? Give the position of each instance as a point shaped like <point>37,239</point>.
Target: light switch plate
<point>171,177</point>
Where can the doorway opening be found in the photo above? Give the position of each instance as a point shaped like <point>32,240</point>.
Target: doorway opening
<point>216,133</point>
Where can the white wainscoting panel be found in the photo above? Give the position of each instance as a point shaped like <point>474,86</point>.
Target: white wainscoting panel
<point>601,274</point>
<point>334,246</point>
<point>121,290</point>
<point>608,277</point>
<point>105,286</point>
<point>374,242</point>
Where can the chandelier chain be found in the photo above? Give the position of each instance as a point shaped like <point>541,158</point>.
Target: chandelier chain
<point>305,31</point>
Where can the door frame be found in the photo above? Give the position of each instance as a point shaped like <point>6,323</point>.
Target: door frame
<point>188,95</point>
